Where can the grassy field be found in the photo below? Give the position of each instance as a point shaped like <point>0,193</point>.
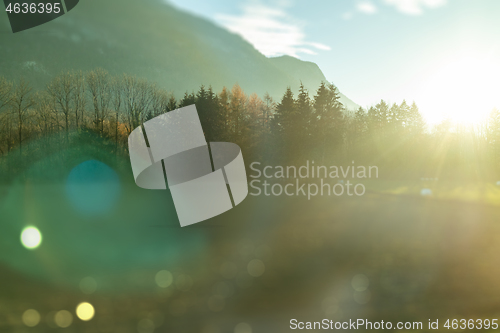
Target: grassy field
<point>433,257</point>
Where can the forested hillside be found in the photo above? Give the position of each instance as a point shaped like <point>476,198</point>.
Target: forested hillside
<point>307,126</point>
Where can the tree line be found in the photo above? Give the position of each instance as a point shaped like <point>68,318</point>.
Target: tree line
<point>306,126</point>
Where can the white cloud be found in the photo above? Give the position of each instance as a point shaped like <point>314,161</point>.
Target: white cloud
<point>415,7</point>
<point>366,7</point>
<point>270,30</point>
<point>319,46</point>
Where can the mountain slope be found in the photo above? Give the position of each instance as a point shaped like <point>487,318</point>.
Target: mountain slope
<point>152,40</point>
<point>309,73</point>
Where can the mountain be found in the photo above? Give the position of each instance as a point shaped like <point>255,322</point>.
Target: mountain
<point>309,73</point>
<point>152,40</point>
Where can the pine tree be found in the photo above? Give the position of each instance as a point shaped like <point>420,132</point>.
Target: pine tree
<point>329,118</point>
<point>285,110</point>
<point>216,119</point>
<point>188,99</point>
<point>394,118</point>
<point>360,124</point>
<point>284,123</point>
<point>210,116</point>
<point>404,112</point>
<point>304,119</point>
<point>415,120</point>
<point>268,112</point>
<point>224,111</point>
<point>203,110</point>
<point>382,114</point>
<point>172,103</point>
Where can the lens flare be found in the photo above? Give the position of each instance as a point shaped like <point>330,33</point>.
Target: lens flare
<point>63,318</point>
<point>31,238</point>
<point>31,318</point>
<point>85,311</point>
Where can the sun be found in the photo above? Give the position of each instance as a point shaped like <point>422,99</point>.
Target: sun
<point>464,90</point>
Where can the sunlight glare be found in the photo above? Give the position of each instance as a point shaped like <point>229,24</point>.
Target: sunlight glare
<point>464,90</point>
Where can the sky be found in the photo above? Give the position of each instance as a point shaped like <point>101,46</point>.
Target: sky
<point>442,54</point>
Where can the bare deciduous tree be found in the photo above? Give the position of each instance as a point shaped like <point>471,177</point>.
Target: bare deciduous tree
<point>137,93</point>
<point>100,87</point>
<point>79,98</point>
<point>5,117</point>
<point>61,89</point>
<point>117,101</point>
<point>21,102</point>
<point>45,118</point>
<point>159,101</point>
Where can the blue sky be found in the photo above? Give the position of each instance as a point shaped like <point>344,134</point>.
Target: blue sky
<point>444,54</point>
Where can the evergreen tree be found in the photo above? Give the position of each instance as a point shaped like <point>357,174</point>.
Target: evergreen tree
<point>224,111</point>
<point>360,124</point>
<point>188,99</point>
<point>394,118</point>
<point>284,123</point>
<point>210,115</point>
<point>304,119</point>
<point>172,103</point>
<point>268,112</point>
<point>382,114</point>
<point>328,118</point>
<point>416,122</point>
<point>285,110</point>
<point>203,110</point>
<point>404,112</point>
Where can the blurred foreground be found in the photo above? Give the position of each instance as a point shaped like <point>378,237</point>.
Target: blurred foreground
<point>383,256</point>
